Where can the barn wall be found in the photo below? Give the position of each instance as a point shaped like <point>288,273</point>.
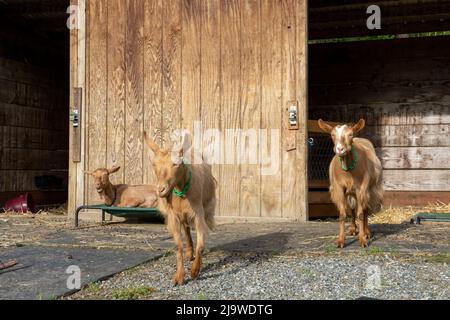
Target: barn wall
<point>33,118</point>
<point>159,65</point>
<point>402,89</point>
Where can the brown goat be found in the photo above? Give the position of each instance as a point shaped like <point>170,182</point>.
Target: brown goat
<point>355,179</point>
<point>123,195</point>
<point>186,197</point>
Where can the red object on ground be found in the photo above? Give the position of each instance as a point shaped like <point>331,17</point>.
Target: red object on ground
<point>22,203</point>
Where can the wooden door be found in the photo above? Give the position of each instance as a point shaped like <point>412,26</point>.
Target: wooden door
<point>224,64</point>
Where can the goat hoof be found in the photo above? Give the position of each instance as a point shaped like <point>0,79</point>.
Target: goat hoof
<point>341,243</point>
<point>195,271</point>
<point>363,242</point>
<point>178,280</point>
<point>352,232</point>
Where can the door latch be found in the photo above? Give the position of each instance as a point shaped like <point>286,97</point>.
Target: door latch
<point>74,117</point>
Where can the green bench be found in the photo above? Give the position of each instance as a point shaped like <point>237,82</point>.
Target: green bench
<point>426,216</point>
<point>119,212</point>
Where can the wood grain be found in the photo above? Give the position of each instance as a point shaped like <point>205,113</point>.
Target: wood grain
<point>116,97</point>
<point>134,60</point>
<point>289,93</point>
<point>230,105</point>
<point>97,108</point>
<point>250,108</point>
<point>153,62</point>
<point>171,70</point>
<point>211,84</point>
<point>416,180</point>
<point>191,72</point>
<point>271,102</point>
<point>415,158</point>
<point>302,60</point>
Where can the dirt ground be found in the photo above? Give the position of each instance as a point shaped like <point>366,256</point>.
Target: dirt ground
<point>246,251</point>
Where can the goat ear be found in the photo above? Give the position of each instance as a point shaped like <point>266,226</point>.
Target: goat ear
<point>324,126</point>
<point>89,173</point>
<point>359,126</point>
<point>150,143</point>
<point>113,169</point>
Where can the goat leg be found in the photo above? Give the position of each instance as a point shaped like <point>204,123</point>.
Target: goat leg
<point>362,228</point>
<point>175,229</point>
<point>200,225</point>
<point>366,225</point>
<point>189,244</point>
<point>352,231</point>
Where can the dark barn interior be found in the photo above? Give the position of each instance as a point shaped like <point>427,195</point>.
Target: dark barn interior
<point>398,79</point>
<point>34,95</point>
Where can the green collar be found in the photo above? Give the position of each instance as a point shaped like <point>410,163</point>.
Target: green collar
<point>186,187</point>
<point>354,162</point>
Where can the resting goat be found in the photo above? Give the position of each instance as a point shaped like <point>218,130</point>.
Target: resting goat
<point>355,179</point>
<point>123,195</point>
<point>186,197</point>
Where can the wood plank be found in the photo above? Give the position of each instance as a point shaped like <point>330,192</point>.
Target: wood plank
<point>388,113</point>
<point>416,180</point>
<point>191,72</point>
<point>153,63</point>
<point>313,126</point>
<point>171,70</point>
<point>289,93</point>
<point>271,108</point>
<point>327,210</point>
<point>428,135</point>
<point>250,108</point>
<point>116,96</point>
<point>211,86</point>
<point>73,79</point>
<point>302,96</point>
<point>411,91</point>
<point>396,199</point>
<point>97,117</point>
<point>134,92</point>
<point>230,105</point>
<point>415,158</point>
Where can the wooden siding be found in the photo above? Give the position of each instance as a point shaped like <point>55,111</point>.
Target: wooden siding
<point>33,123</point>
<point>231,64</point>
<point>404,96</point>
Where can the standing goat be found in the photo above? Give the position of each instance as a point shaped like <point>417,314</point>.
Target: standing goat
<point>122,195</point>
<point>186,197</point>
<point>355,179</point>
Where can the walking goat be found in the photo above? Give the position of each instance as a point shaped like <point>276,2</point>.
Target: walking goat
<point>186,197</point>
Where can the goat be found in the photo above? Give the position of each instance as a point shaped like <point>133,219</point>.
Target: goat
<point>122,195</point>
<point>355,179</point>
<point>186,197</point>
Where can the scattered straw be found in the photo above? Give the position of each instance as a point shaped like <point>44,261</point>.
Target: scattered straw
<point>397,215</point>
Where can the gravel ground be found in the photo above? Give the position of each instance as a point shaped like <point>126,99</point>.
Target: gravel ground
<point>299,276</point>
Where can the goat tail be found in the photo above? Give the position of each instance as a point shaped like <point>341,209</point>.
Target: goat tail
<point>210,221</point>
<point>376,196</point>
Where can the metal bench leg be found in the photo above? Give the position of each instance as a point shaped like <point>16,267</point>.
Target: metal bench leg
<point>77,213</point>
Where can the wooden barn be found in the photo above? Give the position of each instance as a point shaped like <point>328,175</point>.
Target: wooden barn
<point>80,98</point>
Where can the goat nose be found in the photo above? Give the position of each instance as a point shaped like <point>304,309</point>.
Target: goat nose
<point>162,189</point>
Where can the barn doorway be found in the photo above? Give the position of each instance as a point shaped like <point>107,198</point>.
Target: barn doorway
<point>34,100</point>
<point>397,78</point>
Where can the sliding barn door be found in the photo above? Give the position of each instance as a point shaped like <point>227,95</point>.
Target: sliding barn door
<point>226,70</point>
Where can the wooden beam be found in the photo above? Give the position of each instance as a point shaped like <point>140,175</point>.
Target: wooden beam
<point>313,126</point>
